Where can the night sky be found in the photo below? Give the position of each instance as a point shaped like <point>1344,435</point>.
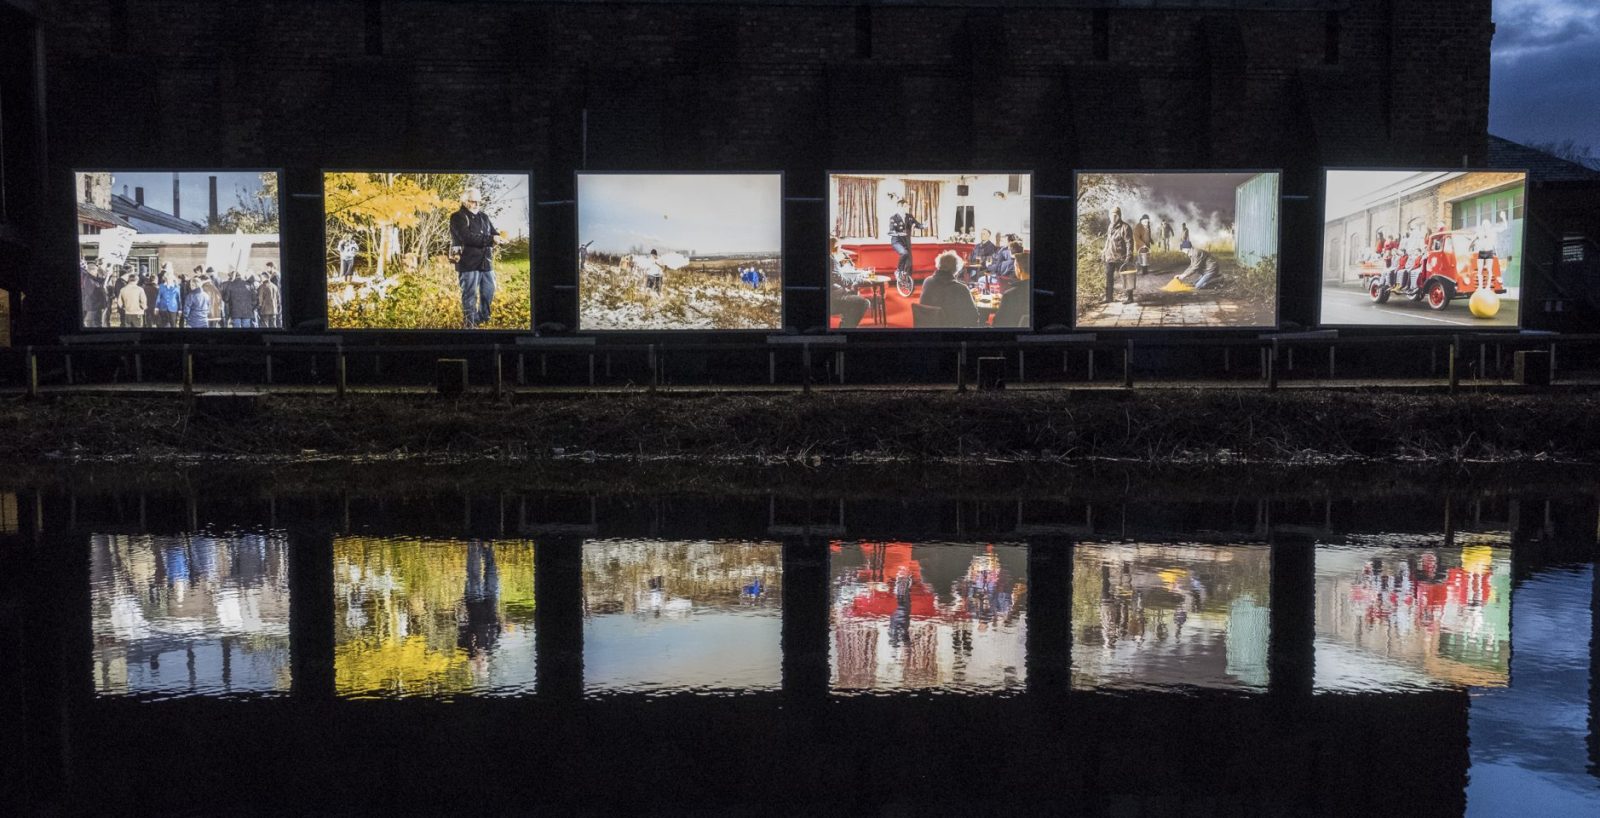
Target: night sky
<point>1545,85</point>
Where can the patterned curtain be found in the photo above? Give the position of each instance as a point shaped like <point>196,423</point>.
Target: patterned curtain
<point>857,208</point>
<point>924,198</point>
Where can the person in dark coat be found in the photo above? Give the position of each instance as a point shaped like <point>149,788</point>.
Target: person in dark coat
<point>942,290</point>
<point>197,307</point>
<point>1016,304</point>
<point>1118,251</point>
<point>900,226</point>
<point>92,287</point>
<point>239,298</point>
<point>983,251</point>
<point>474,235</point>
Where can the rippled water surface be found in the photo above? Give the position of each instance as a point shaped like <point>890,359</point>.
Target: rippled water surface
<point>376,647</point>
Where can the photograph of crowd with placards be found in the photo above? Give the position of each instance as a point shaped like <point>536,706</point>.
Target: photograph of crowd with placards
<point>144,264</point>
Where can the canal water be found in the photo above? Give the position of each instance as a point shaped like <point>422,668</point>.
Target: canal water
<point>431,640</point>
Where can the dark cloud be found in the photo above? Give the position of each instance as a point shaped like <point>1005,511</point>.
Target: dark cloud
<point>1521,36</point>
<point>1545,81</point>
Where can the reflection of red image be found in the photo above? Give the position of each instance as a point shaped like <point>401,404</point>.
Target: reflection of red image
<point>893,582</point>
<point>1391,592</point>
<point>889,597</point>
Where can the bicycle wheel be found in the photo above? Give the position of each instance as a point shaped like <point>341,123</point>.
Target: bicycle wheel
<point>904,283</point>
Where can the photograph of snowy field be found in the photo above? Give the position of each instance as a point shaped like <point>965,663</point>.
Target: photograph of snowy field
<point>680,251</point>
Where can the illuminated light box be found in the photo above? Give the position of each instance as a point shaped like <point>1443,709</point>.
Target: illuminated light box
<point>1162,616</point>
<point>433,618</point>
<point>1177,250</point>
<point>890,233</point>
<point>667,616</point>
<point>190,615</point>
<point>1423,249</point>
<point>427,251</point>
<point>179,250</point>
<point>1417,617</point>
<point>914,616</point>
<point>680,251</point>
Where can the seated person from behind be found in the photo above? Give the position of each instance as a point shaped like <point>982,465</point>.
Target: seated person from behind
<point>843,300</point>
<point>942,290</point>
<point>1014,306</point>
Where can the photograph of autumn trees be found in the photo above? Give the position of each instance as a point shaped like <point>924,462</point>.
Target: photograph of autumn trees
<point>392,262</point>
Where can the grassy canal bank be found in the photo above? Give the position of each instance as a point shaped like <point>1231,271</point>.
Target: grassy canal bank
<point>1166,427</point>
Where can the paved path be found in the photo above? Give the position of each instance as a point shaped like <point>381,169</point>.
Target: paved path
<point>1153,308</point>
<point>1342,306</point>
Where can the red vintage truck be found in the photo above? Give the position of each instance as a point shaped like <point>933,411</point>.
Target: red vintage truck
<point>1446,269</point>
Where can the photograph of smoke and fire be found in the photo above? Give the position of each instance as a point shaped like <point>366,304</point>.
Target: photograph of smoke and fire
<point>1177,250</point>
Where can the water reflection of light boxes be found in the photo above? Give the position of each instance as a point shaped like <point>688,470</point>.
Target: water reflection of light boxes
<point>1399,612</point>
<point>433,618</point>
<point>1156,616</point>
<point>669,616</point>
<point>190,615</point>
<point>945,616</point>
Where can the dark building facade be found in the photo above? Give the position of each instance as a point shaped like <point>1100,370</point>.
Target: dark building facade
<point>801,87</point>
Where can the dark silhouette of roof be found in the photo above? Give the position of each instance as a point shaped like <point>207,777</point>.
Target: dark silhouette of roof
<point>158,221</point>
<point>99,215</point>
<point>1541,166</point>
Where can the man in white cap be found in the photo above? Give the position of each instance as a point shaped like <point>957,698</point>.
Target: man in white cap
<point>473,238</point>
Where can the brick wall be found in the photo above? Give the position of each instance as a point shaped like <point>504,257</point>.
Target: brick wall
<point>306,85</point>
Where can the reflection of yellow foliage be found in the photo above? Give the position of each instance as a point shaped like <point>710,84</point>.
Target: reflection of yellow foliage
<point>397,611</point>
<point>407,666</point>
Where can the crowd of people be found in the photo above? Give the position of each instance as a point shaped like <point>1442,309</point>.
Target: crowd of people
<point>962,290</point>
<point>124,296</point>
<point>1402,256</point>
